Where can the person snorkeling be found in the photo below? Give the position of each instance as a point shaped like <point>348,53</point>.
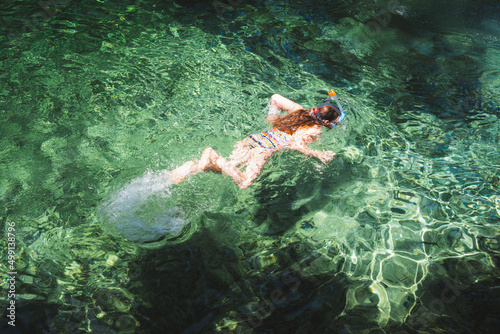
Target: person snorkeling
<point>295,130</point>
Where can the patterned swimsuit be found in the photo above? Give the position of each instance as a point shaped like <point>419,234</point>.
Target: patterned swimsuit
<point>272,140</point>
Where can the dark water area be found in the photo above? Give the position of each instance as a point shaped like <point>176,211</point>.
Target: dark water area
<point>398,234</point>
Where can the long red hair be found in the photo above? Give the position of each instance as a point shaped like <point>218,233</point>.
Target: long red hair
<point>297,119</point>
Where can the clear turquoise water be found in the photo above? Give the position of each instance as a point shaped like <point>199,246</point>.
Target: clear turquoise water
<point>399,234</point>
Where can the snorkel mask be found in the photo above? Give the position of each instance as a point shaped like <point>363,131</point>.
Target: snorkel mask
<point>333,96</point>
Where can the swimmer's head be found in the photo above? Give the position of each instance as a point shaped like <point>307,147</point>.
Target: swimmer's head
<point>326,115</point>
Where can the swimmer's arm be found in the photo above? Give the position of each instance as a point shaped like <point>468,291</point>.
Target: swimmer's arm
<point>281,102</point>
<point>324,156</point>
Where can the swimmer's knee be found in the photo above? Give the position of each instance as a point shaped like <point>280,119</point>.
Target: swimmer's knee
<point>208,151</point>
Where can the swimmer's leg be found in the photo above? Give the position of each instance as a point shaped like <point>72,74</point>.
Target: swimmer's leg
<point>208,161</point>
<point>254,168</point>
<point>178,174</point>
<point>229,168</point>
<point>241,154</point>
<point>256,163</point>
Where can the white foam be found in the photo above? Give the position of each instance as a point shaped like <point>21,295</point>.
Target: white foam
<point>141,211</point>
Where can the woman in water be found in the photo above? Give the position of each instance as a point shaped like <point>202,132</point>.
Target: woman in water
<point>294,131</point>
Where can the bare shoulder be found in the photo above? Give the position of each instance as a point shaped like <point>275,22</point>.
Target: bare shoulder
<point>307,135</point>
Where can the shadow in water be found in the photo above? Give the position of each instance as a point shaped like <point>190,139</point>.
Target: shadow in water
<point>211,280</point>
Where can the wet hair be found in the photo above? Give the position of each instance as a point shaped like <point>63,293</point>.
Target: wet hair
<point>291,122</point>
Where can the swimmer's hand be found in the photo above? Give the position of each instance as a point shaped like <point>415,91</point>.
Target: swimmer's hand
<point>325,156</point>
<point>281,102</point>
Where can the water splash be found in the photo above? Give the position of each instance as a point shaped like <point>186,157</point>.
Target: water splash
<point>143,210</point>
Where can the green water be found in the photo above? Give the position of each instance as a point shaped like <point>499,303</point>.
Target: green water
<point>398,234</point>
